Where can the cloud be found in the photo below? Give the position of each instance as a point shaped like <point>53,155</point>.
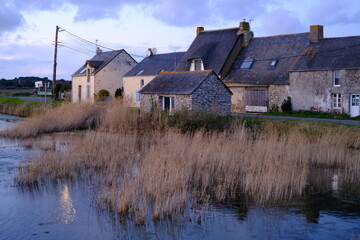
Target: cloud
<point>10,19</point>
<point>281,21</point>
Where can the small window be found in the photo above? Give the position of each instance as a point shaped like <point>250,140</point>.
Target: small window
<point>88,75</point>
<point>196,65</point>
<point>137,96</point>
<point>88,91</point>
<point>140,72</point>
<point>247,64</point>
<point>336,101</point>
<point>83,71</point>
<point>355,100</point>
<point>141,82</point>
<point>79,92</point>
<point>168,104</point>
<point>273,62</point>
<point>336,78</point>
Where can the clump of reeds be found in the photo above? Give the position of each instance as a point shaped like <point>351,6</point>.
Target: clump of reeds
<point>141,168</point>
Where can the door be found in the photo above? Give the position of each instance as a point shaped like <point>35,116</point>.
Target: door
<point>354,105</point>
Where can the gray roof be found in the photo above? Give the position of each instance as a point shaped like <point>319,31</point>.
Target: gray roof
<point>330,53</point>
<point>156,63</point>
<point>212,47</point>
<point>284,48</point>
<point>176,82</point>
<point>99,61</point>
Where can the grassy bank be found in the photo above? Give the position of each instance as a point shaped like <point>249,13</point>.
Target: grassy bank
<point>150,163</point>
<point>19,107</point>
<point>313,114</point>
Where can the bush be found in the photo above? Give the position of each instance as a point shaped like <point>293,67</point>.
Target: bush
<point>286,106</point>
<point>103,94</point>
<point>119,92</point>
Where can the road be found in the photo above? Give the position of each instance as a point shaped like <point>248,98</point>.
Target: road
<point>36,99</point>
<point>349,122</point>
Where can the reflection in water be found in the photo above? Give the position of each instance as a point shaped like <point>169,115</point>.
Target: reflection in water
<point>67,211</point>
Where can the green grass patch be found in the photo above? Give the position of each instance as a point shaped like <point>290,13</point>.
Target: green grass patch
<point>15,101</point>
<point>312,114</point>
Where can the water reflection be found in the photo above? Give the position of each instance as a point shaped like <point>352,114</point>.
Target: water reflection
<point>67,211</point>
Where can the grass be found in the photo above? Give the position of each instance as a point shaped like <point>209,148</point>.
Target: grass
<point>313,114</point>
<point>17,92</point>
<point>19,107</point>
<point>142,164</point>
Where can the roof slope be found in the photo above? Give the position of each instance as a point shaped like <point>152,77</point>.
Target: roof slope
<point>176,82</point>
<point>284,48</point>
<point>156,63</point>
<point>330,53</point>
<point>99,61</point>
<point>212,47</point>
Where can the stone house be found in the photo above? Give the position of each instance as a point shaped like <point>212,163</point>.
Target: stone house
<point>104,71</point>
<point>140,75</point>
<point>326,76</point>
<point>195,90</point>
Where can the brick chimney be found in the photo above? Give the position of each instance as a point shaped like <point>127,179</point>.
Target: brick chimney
<point>244,29</point>
<point>199,30</point>
<point>316,33</point>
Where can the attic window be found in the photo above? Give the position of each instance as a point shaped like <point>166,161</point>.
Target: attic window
<point>273,62</point>
<point>83,71</point>
<point>196,65</point>
<point>246,64</point>
<point>140,72</point>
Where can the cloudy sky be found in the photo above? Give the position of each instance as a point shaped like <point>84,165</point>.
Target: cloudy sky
<point>27,28</point>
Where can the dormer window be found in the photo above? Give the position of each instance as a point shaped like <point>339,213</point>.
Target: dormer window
<point>196,65</point>
<point>246,64</point>
<point>139,72</point>
<point>336,78</point>
<point>273,62</point>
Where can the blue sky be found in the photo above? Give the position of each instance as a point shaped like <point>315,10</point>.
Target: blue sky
<point>27,28</point>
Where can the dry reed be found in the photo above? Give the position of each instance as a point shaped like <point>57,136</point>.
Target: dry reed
<point>140,169</point>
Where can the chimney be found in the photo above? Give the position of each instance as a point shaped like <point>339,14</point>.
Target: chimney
<point>244,29</point>
<point>199,30</point>
<point>316,33</point>
<point>98,51</point>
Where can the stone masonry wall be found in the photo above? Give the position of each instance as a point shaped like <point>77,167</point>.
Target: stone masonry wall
<point>212,96</point>
<point>238,99</point>
<point>277,94</point>
<point>147,101</point>
<point>313,89</point>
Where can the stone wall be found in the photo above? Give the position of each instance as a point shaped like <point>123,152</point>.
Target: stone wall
<point>277,94</point>
<point>237,99</point>
<point>312,90</point>
<point>147,101</point>
<point>212,96</point>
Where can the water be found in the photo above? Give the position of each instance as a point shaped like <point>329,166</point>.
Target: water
<point>68,210</point>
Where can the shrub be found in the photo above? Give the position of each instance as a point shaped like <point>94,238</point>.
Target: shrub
<point>286,106</point>
<point>119,92</point>
<point>103,94</point>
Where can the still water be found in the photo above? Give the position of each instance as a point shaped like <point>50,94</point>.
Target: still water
<point>68,210</point>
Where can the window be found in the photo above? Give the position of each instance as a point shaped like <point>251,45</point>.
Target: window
<point>137,96</point>
<point>88,91</point>
<point>88,75</point>
<point>196,65</point>
<point>247,64</point>
<point>141,82</point>
<point>79,92</point>
<point>83,71</point>
<point>273,62</point>
<point>168,103</point>
<point>139,72</point>
<point>336,101</point>
<point>336,78</point>
<point>355,100</point>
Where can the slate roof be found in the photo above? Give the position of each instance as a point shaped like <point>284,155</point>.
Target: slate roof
<point>176,82</point>
<point>156,63</point>
<point>284,48</point>
<point>212,47</point>
<point>330,53</point>
<point>99,61</point>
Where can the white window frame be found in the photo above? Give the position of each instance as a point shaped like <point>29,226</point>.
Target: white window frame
<point>247,63</point>
<point>172,103</point>
<point>336,75</point>
<point>336,101</point>
<point>193,64</point>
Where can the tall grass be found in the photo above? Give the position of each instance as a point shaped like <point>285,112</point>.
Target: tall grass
<point>142,166</point>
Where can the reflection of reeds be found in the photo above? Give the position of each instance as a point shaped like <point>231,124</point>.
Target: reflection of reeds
<point>141,168</point>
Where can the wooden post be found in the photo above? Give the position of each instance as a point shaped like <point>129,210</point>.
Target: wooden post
<point>55,57</point>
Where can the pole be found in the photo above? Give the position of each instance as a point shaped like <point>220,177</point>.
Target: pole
<point>55,57</point>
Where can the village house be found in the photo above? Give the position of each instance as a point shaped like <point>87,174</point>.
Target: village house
<point>140,75</point>
<point>104,71</point>
<point>193,90</point>
<point>326,76</point>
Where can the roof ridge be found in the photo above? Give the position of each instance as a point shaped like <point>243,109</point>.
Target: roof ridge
<point>167,53</point>
<point>199,71</point>
<point>280,35</point>
<point>220,29</point>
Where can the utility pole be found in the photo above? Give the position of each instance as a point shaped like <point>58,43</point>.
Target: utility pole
<point>55,57</point>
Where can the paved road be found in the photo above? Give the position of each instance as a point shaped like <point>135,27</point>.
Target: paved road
<point>36,99</point>
<point>350,122</point>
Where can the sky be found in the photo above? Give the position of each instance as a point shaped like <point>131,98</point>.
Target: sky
<point>27,28</point>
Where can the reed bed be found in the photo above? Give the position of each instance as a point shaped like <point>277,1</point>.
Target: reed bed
<point>142,167</point>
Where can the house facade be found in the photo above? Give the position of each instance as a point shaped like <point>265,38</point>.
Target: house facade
<point>327,76</point>
<point>140,75</point>
<point>104,71</point>
<point>193,90</point>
